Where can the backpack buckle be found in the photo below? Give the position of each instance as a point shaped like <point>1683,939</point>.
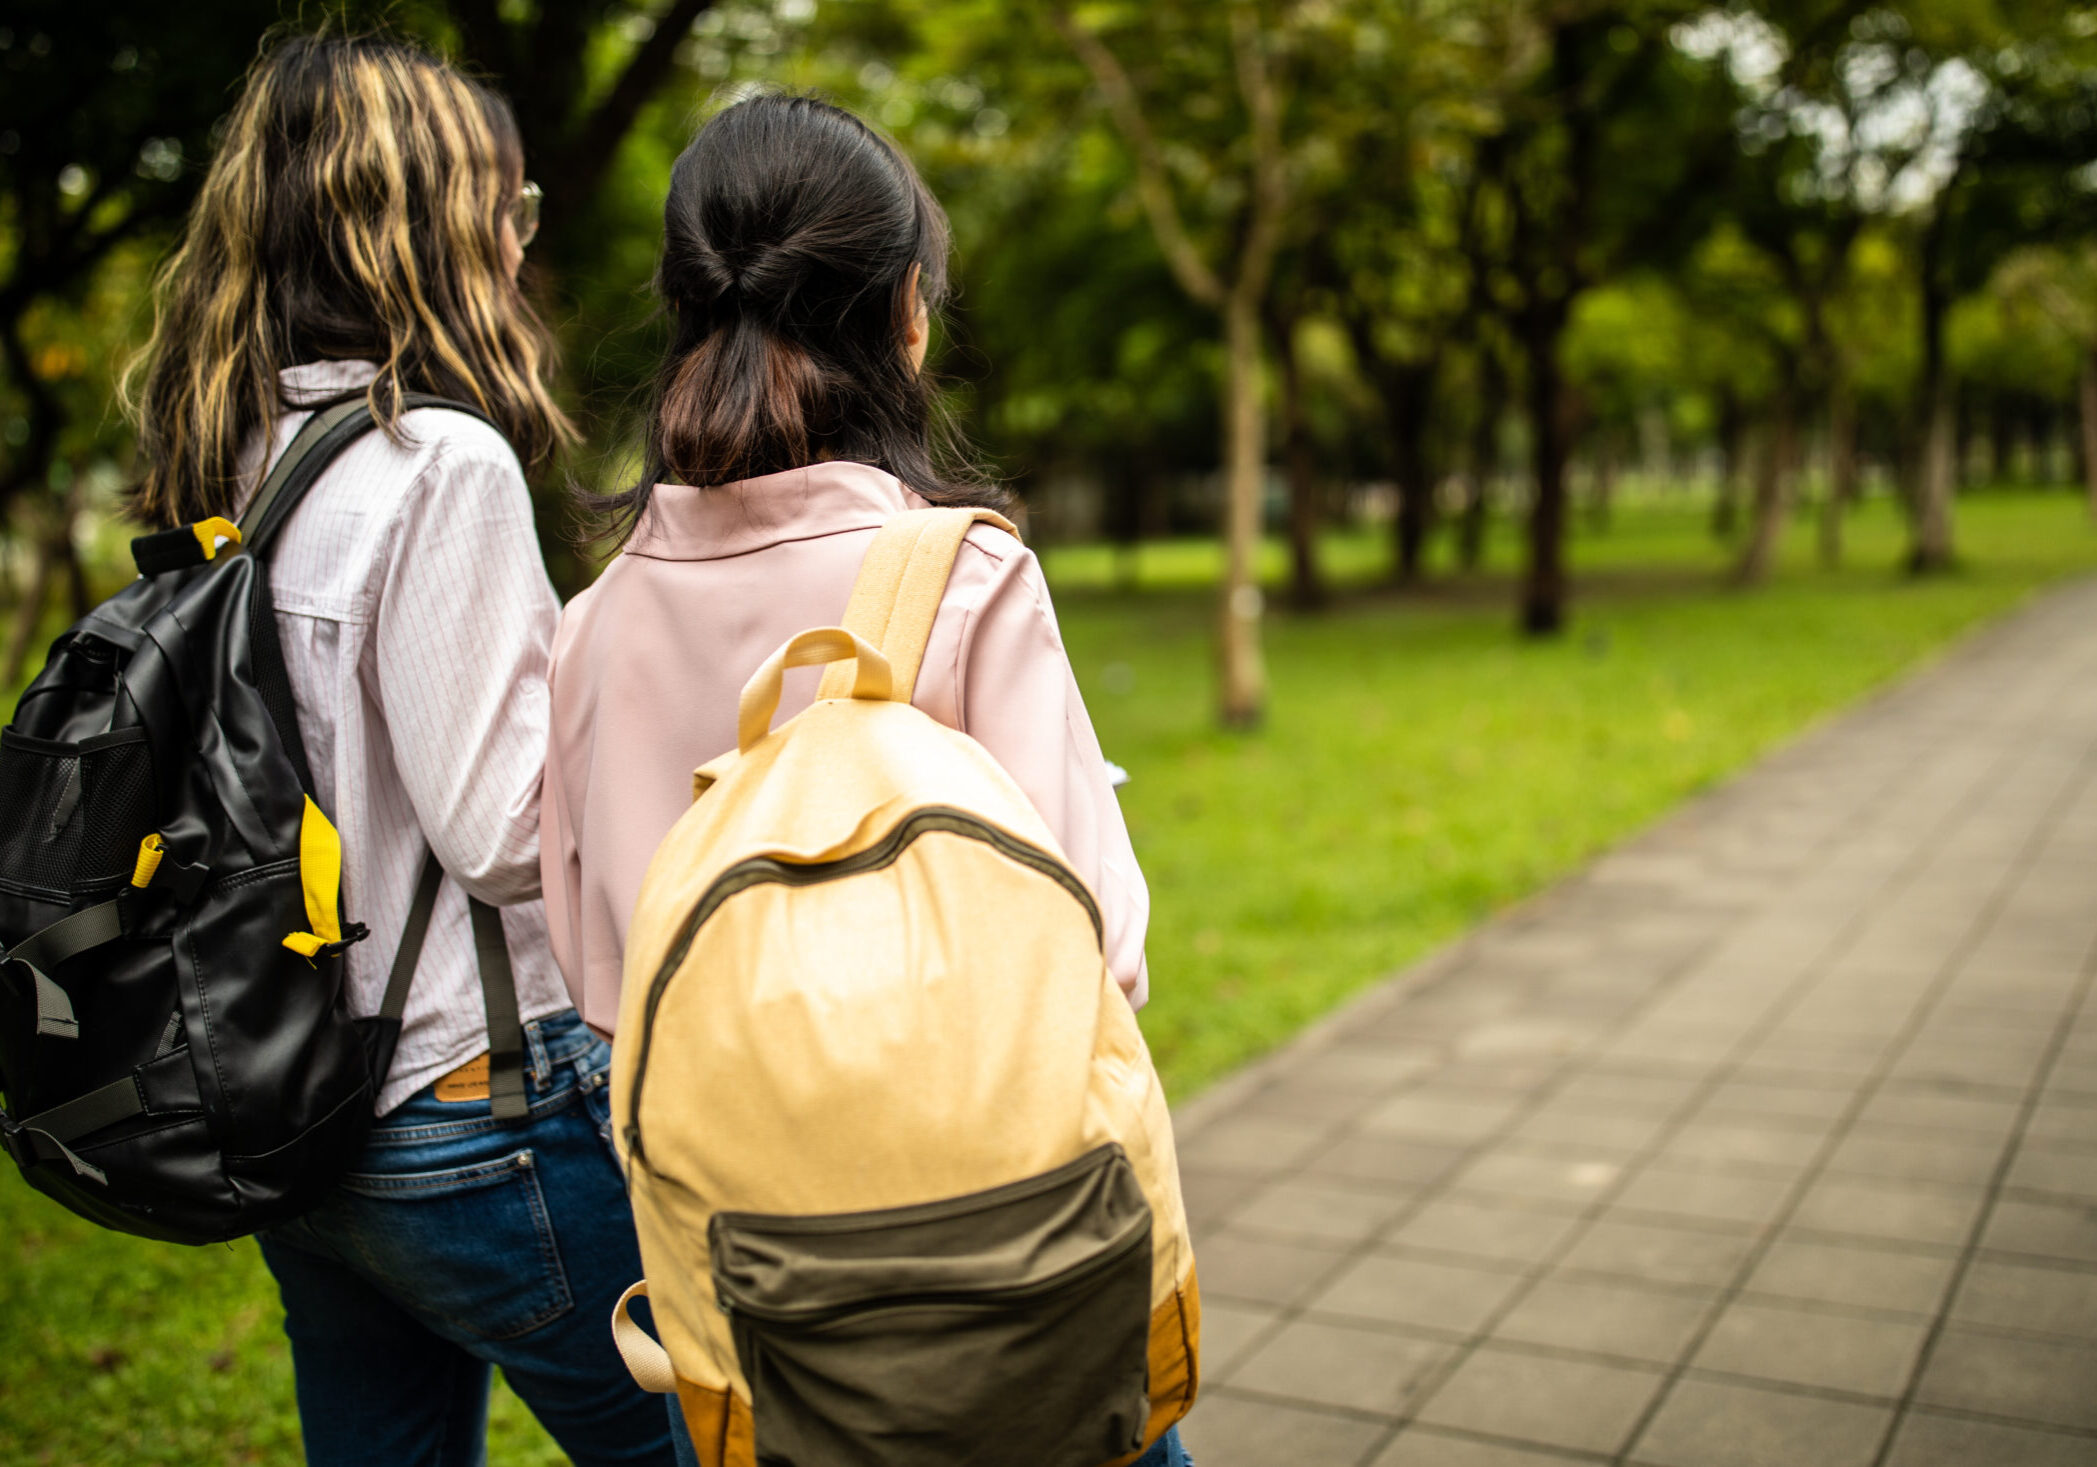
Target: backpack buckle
<point>158,871</point>
<point>54,1007</point>
<point>312,948</point>
<point>20,1142</point>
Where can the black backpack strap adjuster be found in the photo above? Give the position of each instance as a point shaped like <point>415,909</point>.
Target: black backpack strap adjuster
<point>507,1097</point>
<point>184,546</point>
<point>66,938</point>
<point>43,1137</point>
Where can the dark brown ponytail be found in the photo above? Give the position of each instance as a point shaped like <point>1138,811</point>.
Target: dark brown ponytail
<point>789,235</point>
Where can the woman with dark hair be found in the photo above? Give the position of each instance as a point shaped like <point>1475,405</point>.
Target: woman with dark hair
<point>802,260</point>
<point>359,234</point>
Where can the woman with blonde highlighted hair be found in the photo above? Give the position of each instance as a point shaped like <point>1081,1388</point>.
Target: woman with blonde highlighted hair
<point>359,236</point>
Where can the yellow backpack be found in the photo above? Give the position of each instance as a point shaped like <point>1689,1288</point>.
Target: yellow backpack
<point>902,1170</point>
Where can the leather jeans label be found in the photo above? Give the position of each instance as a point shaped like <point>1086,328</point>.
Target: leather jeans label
<point>468,1082</point>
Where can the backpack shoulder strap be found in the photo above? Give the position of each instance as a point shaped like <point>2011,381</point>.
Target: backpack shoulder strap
<point>897,595</point>
<point>324,435</point>
<point>298,466</point>
<point>506,1094</point>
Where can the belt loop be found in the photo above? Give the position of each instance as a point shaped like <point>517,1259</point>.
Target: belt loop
<point>535,1055</point>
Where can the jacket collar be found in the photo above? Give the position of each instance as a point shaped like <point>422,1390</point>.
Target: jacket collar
<point>312,382</point>
<point>683,523</point>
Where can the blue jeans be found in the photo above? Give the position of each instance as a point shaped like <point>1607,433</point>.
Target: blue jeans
<point>463,1243</point>
<point>1166,1451</point>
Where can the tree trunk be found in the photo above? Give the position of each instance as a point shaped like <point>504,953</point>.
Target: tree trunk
<point>1732,435</point>
<point>1299,458</point>
<point>1656,454</point>
<point>1908,439</point>
<point>1125,478</point>
<point>1966,437</point>
<point>1602,495</point>
<point>29,464</point>
<point>29,614</point>
<point>2076,443</point>
<point>77,594</point>
<point>1471,527</point>
<point>1408,392</point>
<point>2087,436</point>
<point>1933,548</point>
<point>2047,437</point>
<point>1937,468</point>
<point>1842,467</point>
<point>1244,677</point>
<point>1773,486</point>
<point>1544,583</point>
<point>1485,459</point>
<point>1239,294</point>
<point>55,559</point>
<point>1415,479</point>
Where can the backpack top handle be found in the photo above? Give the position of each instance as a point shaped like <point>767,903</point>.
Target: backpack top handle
<point>872,677</point>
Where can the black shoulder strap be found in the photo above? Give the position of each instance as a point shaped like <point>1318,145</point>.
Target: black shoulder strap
<point>491,950</point>
<point>506,1097</point>
<point>324,435</point>
<point>409,953</point>
<point>331,429</point>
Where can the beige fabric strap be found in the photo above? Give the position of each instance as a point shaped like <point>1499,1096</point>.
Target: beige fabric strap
<point>900,584</point>
<point>648,1361</point>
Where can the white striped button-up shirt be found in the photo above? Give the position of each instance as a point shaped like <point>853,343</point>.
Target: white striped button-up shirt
<point>417,622</point>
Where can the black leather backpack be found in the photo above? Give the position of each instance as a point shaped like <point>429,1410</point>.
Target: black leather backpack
<point>175,1050</point>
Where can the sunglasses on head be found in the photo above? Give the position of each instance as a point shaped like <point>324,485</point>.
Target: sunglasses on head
<point>524,214</point>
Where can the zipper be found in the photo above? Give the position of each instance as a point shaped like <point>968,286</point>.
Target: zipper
<point>821,1224</point>
<point>815,1316</point>
<point>767,871</point>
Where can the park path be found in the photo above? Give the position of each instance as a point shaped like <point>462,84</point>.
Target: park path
<point>1768,1141</point>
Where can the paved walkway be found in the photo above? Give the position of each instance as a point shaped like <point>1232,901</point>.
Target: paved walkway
<point>1769,1141</point>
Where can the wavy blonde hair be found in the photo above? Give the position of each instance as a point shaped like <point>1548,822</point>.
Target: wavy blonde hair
<point>353,212</point>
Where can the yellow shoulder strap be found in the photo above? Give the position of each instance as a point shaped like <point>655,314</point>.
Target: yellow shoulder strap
<point>897,595</point>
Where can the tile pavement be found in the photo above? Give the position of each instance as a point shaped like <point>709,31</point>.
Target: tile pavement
<point>1770,1140</point>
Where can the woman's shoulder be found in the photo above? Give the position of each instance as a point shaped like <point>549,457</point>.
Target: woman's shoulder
<point>997,575</point>
<point>447,439</point>
<point>455,467</point>
<point>995,549</point>
<point>994,540</point>
<point>582,608</point>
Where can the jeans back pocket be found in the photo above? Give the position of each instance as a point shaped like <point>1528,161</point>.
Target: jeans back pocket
<point>950,1332</point>
<point>474,1243</point>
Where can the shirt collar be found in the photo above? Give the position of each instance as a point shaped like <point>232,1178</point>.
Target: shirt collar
<point>683,523</point>
<point>312,382</point>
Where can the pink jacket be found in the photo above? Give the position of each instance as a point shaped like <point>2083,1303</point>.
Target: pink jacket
<point>649,662</point>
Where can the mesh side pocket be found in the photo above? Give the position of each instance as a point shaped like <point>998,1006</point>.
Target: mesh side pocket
<point>116,804</point>
<point>84,808</point>
<point>40,788</point>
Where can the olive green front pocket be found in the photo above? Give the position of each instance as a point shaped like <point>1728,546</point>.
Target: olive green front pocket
<point>1002,1328</point>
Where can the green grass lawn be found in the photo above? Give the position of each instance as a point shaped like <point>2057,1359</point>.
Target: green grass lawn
<point>1420,769</point>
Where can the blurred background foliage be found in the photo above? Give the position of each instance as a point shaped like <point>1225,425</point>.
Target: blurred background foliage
<point>1782,253</point>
